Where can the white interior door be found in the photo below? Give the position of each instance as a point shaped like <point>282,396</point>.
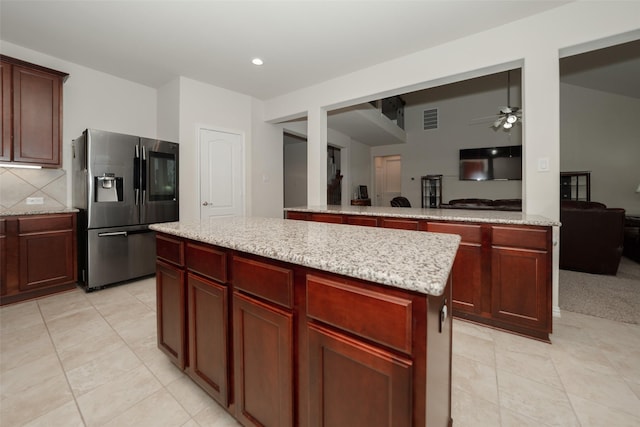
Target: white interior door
<point>221,174</point>
<point>388,179</point>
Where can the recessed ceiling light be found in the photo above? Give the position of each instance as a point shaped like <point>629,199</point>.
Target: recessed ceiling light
<point>257,61</point>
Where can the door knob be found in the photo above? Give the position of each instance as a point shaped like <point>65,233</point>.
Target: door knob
<point>205,204</point>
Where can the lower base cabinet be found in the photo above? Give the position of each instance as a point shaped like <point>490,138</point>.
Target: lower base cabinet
<point>279,345</point>
<point>208,336</point>
<point>37,255</point>
<point>501,273</point>
<point>263,348</point>
<point>348,372</point>
<point>170,300</point>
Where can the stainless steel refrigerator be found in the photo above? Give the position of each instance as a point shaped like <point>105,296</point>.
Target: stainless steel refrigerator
<point>121,184</point>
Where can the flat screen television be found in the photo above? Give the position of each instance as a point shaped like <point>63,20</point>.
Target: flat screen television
<point>491,163</point>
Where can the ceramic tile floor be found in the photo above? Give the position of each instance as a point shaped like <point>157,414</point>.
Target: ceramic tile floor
<point>79,359</point>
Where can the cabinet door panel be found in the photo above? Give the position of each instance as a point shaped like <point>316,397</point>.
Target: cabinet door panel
<point>36,112</point>
<point>263,357</point>
<point>520,286</point>
<point>46,259</point>
<point>467,278</point>
<point>208,336</point>
<point>354,384</point>
<point>170,300</point>
<point>5,130</point>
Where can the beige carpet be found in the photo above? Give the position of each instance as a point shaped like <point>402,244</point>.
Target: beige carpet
<point>610,297</point>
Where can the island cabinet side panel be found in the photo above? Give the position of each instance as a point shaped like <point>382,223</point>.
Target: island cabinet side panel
<point>439,358</point>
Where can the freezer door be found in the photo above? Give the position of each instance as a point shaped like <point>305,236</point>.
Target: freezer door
<point>159,181</point>
<point>119,254</point>
<point>112,179</point>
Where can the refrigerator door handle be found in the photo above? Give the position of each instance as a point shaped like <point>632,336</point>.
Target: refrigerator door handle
<point>113,233</point>
<point>136,175</point>
<point>143,176</point>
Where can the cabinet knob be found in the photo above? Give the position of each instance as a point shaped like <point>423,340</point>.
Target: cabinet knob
<point>205,204</point>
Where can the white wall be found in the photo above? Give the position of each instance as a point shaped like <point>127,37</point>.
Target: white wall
<point>490,51</point>
<point>600,132</point>
<point>169,111</point>
<point>436,151</point>
<point>536,45</point>
<point>219,109</point>
<point>295,172</point>
<point>360,166</point>
<point>92,99</point>
<point>266,190</point>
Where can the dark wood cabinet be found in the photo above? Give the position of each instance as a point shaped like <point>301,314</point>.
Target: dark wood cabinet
<point>31,113</point>
<point>520,275</point>
<point>263,356</point>
<point>208,331</point>
<point>47,251</point>
<point>170,300</point>
<point>3,257</point>
<point>5,132</point>
<point>284,345</point>
<point>501,274</point>
<point>400,224</point>
<point>346,372</point>
<point>38,255</point>
<point>467,268</point>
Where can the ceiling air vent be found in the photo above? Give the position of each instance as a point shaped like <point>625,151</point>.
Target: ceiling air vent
<point>430,119</point>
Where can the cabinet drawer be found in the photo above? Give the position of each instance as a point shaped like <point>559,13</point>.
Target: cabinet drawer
<point>468,233</point>
<point>207,261</point>
<point>368,221</point>
<point>381,318</point>
<point>332,218</point>
<point>298,215</point>
<point>520,237</point>
<point>169,249</point>
<point>267,281</point>
<point>402,224</point>
<point>38,224</point>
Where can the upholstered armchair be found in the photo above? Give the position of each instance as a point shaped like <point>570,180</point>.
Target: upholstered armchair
<point>591,237</point>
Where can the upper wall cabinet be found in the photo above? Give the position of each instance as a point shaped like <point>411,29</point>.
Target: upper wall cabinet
<point>31,114</point>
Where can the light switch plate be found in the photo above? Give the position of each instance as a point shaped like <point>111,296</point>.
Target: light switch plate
<point>543,164</point>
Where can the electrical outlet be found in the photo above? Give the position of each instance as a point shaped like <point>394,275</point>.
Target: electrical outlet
<point>35,200</point>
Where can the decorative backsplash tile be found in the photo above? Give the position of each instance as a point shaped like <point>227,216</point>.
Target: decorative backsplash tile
<point>18,184</point>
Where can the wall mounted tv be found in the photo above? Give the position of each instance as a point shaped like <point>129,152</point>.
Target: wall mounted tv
<point>491,163</point>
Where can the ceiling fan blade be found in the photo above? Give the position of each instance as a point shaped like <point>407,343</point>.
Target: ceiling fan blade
<point>498,122</point>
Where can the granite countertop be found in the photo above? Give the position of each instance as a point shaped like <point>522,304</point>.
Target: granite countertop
<point>413,261</point>
<point>463,215</point>
<point>35,210</point>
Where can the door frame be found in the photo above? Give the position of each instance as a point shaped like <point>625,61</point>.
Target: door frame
<point>243,143</point>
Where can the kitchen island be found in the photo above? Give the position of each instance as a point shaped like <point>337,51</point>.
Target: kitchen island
<point>290,323</point>
<point>502,275</point>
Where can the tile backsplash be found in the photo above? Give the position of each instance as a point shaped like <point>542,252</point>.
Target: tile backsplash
<point>18,184</point>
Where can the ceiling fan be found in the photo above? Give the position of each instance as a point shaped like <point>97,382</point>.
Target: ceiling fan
<point>507,116</point>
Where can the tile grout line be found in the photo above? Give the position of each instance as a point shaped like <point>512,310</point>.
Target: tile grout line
<point>55,349</point>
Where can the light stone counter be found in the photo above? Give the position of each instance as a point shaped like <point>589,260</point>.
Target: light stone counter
<point>463,215</point>
<point>418,262</point>
<point>35,210</point>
